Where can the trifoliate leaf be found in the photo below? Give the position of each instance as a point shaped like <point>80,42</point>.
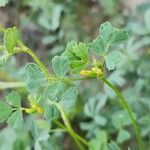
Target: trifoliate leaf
<point>77,53</point>
<point>3,3</point>
<point>54,91</point>
<point>36,77</point>
<point>98,46</point>
<point>10,39</point>
<point>16,119</point>
<point>60,65</point>
<point>69,98</point>
<point>113,146</point>
<point>111,35</point>
<point>106,31</point>
<point>14,99</point>
<point>5,111</point>
<point>123,136</point>
<point>51,112</point>
<point>112,59</point>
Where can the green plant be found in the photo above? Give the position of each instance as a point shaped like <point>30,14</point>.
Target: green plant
<point>54,96</point>
<point>3,3</point>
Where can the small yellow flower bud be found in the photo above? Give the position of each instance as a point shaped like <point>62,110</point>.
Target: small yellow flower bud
<point>40,110</point>
<point>97,71</point>
<point>34,108</point>
<point>86,72</point>
<point>29,110</point>
<point>94,72</point>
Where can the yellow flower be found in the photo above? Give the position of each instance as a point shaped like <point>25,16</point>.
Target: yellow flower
<point>97,71</point>
<point>29,110</point>
<point>94,72</point>
<point>86,72</point>
<point>34,108</point>
<point>37,108</point>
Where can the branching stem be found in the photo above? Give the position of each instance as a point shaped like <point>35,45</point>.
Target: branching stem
<point>67,123</point>
<point>68,127</point>
<point>36,59</point>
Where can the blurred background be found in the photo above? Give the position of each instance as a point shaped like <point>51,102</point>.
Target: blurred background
<point>46,26</point>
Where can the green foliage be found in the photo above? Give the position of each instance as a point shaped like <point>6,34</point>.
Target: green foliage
<point>54,91</point>
<point>35,76</point>
<point>42,137</point>
<point>3,58</point>
<point>13,113</point>
<point>10,39</point>
<point>77,55</point>
<point>5,111</point>
<point>16,119</point>
<point>106,30</point>
<point>113,146</point>
<point>69,98</point>
<point>58,93</point>
<point>123,136</point>
<point>7,138</point>
<point>100,142</point>
<point>3,3</point>
<point>51,112</point>
<point>109,36</point>
<point>98,46</point>
<point>60,65</point>
<point>112,59</point>
<point>14,99</point>
<point>93,111</point>
<point>52,98</point>
<point>120,119</point>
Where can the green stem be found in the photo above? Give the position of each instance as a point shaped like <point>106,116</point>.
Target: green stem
<point>128,109</point>
<point>60,124</point>
<point>67,123</point>
<point>24,49</point>
<point>83,141</point>
<point>79,79</point>
<point>42,66</point>
<point>77,142</point>
<point>8,85</point>
<point>75,136</point>
<point>69,80</point>
<point>57,130</point>
<point>36,59</point>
